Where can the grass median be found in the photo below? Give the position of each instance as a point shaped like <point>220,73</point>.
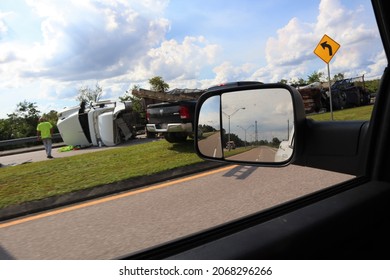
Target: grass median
<point>38,180</point>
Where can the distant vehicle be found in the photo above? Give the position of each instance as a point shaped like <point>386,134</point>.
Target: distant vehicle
<point>230,145</point>
<point>105,123</point>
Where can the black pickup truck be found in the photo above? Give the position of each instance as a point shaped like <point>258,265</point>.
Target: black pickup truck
<point>175,120</point>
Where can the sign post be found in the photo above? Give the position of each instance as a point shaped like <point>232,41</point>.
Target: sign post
<point>326,49</point>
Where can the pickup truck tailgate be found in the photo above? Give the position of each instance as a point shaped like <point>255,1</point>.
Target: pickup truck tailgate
<point>163,114</point>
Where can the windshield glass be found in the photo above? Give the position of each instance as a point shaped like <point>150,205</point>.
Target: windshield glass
<point>96,72</point>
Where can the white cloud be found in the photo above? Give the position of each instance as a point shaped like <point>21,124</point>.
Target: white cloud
<point>291,45</point>
<point>3,26</point>
<point>376,69</point>
<point>290,54</point>
<point>106,41</point>
<point>177,61</point>
<point>226,72</point>
<point>332,15</point>
<point>81,41</point>
<point>92,39</point>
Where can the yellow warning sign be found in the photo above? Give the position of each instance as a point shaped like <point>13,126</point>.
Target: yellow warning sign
<point>326,48</point>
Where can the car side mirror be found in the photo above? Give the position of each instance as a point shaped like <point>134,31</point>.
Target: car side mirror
<point>251,124</point>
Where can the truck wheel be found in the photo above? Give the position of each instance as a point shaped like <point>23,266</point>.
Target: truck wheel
<point>175,137</point>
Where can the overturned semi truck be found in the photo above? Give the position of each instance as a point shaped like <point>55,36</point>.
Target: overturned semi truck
<point>346,93</point>
<point>102,123</point>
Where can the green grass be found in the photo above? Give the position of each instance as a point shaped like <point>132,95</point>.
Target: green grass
<point>359,113</point>
<point>39,180</point>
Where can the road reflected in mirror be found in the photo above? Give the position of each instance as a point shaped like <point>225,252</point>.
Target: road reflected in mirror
<point>257,125</point>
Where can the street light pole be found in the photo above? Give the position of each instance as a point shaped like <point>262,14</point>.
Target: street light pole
<point>229,116</point>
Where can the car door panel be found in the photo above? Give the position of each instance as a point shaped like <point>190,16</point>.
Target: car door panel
<point>335,146</point>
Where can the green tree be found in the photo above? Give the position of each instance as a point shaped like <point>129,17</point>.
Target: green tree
<point>299,82</point>
<point>137,102</point>
<point>206,128</point>
<point>315,77</point>
<point>86,94</point>
<point>372,86</point>
<point>263,142</point>
<point>158,84</point>
<point>137,105</point>
<point>24,120</point>
<point>128,96</point>
<point>302,81</point>
<point>338,77</point>
<point>283,81</point>
<point>5,129</point>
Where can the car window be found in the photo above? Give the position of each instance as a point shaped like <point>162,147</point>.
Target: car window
<point>95,58</point>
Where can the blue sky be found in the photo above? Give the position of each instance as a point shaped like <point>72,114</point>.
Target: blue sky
<point>49,49</point>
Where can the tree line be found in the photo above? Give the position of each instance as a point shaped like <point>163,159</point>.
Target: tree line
<point>318,76</point>
<point>24,120</point>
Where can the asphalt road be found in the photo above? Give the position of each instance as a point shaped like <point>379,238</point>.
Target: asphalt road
<point>211,146</point>
<point>117,225</point>
<point>257,154</point>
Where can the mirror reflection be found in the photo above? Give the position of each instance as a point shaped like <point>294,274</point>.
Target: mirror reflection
<point>251,125</point>
<point>257,125</point>
<point>209,128</point>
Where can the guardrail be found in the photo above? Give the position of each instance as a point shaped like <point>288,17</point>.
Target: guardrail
<point>25,140</point>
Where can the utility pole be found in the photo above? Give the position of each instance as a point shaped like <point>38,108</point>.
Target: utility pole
<point>256,135</point>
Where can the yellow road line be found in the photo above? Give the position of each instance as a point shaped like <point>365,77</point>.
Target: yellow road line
<point>111,198</point>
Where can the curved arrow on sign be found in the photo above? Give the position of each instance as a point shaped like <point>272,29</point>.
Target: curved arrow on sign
<point>326,45</point>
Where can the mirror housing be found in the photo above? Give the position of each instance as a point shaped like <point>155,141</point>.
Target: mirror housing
<point>250,123</point>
